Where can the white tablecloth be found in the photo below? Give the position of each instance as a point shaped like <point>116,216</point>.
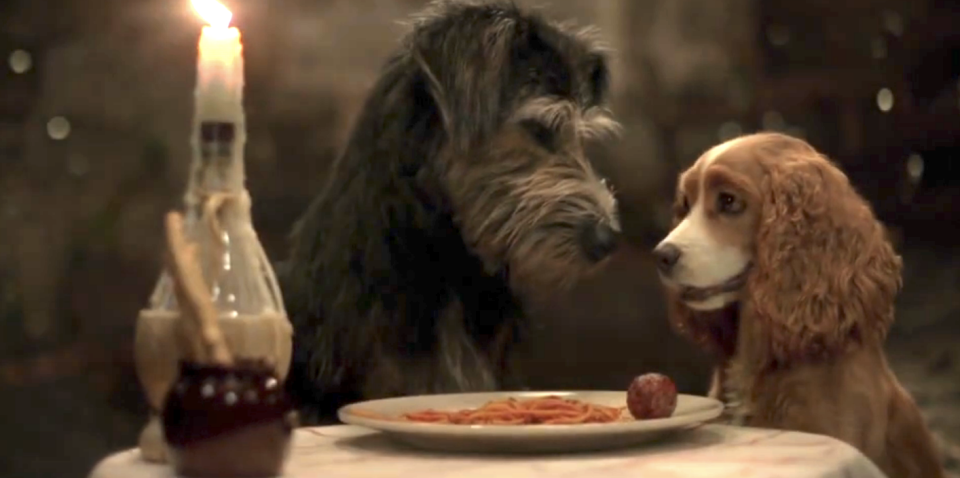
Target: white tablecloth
<point>710,451</point>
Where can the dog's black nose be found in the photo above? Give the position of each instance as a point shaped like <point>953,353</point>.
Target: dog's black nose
<point>598,241</point>
<point>667,256</point>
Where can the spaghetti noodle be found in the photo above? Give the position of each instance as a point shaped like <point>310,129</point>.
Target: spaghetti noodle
<point>550,410</point>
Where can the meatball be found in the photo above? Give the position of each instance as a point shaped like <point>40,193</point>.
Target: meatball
<point>652,395</point>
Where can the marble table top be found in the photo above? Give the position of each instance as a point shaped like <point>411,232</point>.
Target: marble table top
<point>713,451</point>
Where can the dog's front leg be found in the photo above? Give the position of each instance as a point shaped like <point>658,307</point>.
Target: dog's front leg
<point>717,383</point>
<point>718,391</point>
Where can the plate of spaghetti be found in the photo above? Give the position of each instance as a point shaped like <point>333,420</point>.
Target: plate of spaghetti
<point>524,422</point>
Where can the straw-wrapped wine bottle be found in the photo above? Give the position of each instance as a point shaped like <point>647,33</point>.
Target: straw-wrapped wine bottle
<point>241,281</point>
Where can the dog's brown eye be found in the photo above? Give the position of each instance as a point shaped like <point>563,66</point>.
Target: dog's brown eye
<point>729,204</point>
<point>543,135</point>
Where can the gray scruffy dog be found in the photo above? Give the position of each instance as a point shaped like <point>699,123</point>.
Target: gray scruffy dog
<point>463,194</point>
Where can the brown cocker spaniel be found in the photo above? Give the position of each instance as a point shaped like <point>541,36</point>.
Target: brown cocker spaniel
<point>779,267</point>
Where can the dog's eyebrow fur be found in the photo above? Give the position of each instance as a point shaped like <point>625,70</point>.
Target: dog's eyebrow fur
<point>589,35</point>
<point>596,122</point>
<point>553,112</point>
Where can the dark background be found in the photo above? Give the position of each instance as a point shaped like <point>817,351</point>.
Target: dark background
<point>80,215</point>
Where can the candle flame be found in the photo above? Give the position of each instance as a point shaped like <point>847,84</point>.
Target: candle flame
<point>213,12</point>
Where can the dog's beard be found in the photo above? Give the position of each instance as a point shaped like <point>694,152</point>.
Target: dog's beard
<point>530,226</point>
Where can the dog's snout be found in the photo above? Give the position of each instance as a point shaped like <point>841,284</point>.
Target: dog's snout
<point>598,240</point>
<point>667,256</point>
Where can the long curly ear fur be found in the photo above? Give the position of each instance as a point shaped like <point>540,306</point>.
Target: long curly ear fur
<point>825,275</point>
<point>343,286</point>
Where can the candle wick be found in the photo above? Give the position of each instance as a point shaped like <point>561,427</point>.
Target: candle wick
<point>214,13</point>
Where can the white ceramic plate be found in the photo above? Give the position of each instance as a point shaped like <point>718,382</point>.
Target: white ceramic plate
<point>691,411</point>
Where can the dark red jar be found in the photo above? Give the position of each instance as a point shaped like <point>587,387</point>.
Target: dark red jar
<point>234,421</point>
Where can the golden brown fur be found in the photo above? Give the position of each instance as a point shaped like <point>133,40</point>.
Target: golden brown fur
<point>800,347</point>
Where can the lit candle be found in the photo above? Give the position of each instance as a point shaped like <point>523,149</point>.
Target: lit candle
<point>219,131</point>
<point>219,92</point>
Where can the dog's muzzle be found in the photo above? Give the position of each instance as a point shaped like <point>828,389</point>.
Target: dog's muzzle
<point>700,294</point>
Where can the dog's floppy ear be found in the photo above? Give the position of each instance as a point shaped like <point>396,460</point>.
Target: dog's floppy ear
<point>399,127</point>
<point>390,153</point>
<point>825,275</point>
<point>434,88</point>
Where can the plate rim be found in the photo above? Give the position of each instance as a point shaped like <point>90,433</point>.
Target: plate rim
<point>711,408</point>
